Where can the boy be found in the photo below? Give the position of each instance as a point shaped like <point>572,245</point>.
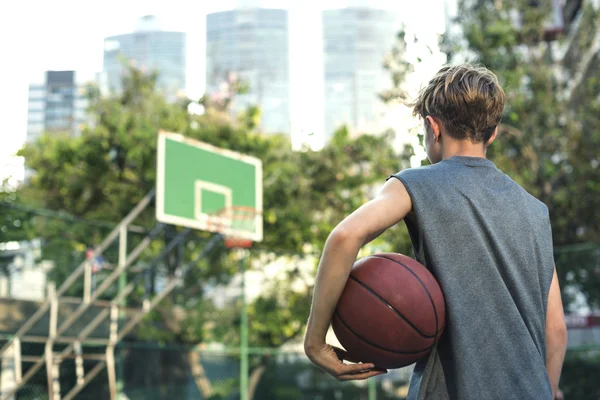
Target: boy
<point>487,241</point>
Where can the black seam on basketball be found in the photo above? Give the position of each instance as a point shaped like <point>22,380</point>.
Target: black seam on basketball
<point>441,329</point>
<point>424,287</point>
<point>376,345</point>
<point>384,301</point>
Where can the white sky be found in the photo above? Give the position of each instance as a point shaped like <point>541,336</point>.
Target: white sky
<point>40,35</point>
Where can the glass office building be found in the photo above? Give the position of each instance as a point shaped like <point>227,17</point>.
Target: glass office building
<point>57,103</point>
<point>148,48</point>
<point>355,41</point>
<point>253,44</point>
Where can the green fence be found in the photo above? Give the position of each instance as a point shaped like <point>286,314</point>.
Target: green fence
<point>287,375</point>
<point>581,373</point>
<point>152,372</point>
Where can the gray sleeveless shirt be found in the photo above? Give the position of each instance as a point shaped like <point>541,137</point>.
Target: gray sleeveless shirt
<point>489,244</point>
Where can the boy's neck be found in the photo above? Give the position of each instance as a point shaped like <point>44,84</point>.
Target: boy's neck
<point>463,148</point>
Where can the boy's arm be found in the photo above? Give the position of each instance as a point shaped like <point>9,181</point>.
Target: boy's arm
<point>556,335</point>
<point>339,255</point>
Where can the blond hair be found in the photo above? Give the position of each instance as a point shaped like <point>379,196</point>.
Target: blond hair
<point>468,100</point>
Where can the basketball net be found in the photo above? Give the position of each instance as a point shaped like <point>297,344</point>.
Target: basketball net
<point>230,220</point>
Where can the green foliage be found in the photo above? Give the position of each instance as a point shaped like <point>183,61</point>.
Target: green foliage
<point>15,220</point>
<point>105,172</point>
<point>549,135</point>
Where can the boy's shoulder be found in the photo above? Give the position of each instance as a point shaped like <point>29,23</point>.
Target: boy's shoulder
<point>422,173</point>
<point>444,175</point>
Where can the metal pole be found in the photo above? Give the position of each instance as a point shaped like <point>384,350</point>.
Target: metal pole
<point>56,382</point>
<point>243,335</point>
<point>51,366</point>
<point>372,389</point>
<point>110,366</point>
<point>18,366</point>
<point>79,371</point>
<point>87,282</point>
<point>122,259</point>
<point>122,285</point>
<point>114,380</point>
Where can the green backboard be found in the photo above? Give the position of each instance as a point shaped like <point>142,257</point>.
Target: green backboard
<point>203,187</point>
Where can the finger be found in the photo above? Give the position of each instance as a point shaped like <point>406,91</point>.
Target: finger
<point>376,369</point>
<point>355,368</point>
<point>361,376</point>
<point>344,355</point>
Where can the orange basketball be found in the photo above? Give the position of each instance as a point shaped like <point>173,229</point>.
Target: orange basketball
<point>392,311</point>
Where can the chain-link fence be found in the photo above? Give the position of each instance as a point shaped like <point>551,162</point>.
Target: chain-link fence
<point>151,372</point>
<point>202,375</point>
<point>581,370</point>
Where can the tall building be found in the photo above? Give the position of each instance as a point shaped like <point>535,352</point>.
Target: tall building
<point>355,41</point>
<point>148,48</point>
<point>57,104</point>
<point>252,43</point>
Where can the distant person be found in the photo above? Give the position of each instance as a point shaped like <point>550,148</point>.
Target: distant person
<point>487,241</point>
<point>96,262</point>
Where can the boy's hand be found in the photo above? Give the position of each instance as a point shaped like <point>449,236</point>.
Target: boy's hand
<point>559,395</point>
<point>330,359</point>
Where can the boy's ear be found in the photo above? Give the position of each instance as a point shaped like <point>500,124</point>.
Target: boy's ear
<point>435,127</point>
<point>493,137</point>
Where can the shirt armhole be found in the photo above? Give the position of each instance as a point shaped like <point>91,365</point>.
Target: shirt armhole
<point>408,189</point>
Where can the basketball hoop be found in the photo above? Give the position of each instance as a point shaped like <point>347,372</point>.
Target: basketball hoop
<point>232,223</point>
<point>235,243</point>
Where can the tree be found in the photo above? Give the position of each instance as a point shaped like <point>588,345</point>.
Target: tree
<point>401,62</point>
<point>549,134</point>
<point>13,218</point>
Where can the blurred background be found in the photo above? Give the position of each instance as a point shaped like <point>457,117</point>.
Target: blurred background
<point>99,301</point>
